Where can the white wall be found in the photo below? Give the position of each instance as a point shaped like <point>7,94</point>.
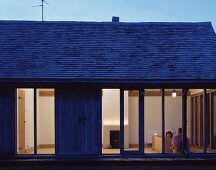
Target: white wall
<point>153,118</point>
<point>111,112</point>
<point>153,123</point>
<point>133,120</point>
<point>45,120</point>
<point>29,119</point>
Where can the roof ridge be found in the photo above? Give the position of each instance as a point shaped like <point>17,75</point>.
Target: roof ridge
<point>208,23</point>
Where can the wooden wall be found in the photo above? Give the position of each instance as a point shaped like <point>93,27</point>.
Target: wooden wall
<point>78,121</point>
<point>7,121</point>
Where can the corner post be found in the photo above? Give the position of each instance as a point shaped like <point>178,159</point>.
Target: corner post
<point>141,120</point>
<point>163,121</point>
<point>35,121</point>
<point>121,121</point>
<point>205,121</point>
<point>184,119</point>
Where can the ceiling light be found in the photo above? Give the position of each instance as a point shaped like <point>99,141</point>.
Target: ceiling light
<point>174,94</point>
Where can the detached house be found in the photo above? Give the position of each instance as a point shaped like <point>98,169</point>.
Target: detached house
<point>106,89</point>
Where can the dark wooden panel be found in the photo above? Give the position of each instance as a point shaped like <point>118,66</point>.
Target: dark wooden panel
<point>92,110</point>
<point>7,121</point>
<point>77,120</point>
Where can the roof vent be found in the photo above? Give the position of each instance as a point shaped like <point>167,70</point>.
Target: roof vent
<point>115,19</point>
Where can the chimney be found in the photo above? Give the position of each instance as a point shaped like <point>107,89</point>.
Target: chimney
<point>115,19</point>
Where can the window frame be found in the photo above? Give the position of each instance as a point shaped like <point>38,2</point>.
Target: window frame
<point>35,121</point>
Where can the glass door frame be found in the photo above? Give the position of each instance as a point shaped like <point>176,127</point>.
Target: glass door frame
<point>141,123</point>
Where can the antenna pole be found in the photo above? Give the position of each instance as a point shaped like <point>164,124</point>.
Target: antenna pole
<point>42,8</point>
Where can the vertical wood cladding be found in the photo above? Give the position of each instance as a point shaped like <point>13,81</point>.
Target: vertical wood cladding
<point>78,120</point>
<point>7,121</point>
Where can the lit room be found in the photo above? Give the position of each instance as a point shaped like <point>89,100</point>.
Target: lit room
<point>153,120</point>
<point>44,134</point>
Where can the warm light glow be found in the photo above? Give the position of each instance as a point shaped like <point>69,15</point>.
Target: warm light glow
<point>114,123</point>
<point>174,94</point>
<point>125,122</point>
<point>155,134</point>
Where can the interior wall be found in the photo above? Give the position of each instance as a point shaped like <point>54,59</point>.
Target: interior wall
<point>152,111</point>
<point>153,123</point>
<point>173,114</point>
<point>29,119</point>
<point>111,112</point>
<point>45,119</point>
<point>133,120</point>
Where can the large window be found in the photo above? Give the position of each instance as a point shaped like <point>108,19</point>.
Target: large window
<point>111,121</point>
<point>25,121</point>
<point>153,121</point>
<point>131,120</point>
<point>197,128</point>
<point>173,120</point>
<point>35,121</point>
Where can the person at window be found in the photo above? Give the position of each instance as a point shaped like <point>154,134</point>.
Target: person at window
<point>176,143</point>
<point>168,141</point>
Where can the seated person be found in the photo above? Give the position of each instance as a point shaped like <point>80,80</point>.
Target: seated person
<point>168,140</point>
<point>177,142</point>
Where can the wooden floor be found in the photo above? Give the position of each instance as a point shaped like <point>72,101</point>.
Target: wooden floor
<point>44,151</point>
<point>104,151</point>
<point>117,151</point>
<point>114,151</point>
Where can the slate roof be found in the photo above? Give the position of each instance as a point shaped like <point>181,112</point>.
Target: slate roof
<point>107,51</point>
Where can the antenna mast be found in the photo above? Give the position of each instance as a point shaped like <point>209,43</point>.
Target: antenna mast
<point>42,8</point>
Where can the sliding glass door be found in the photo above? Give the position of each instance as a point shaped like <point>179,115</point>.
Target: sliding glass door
<point>131,121</point>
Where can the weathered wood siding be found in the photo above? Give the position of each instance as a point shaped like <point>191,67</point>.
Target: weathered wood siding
<point>78,120</point>
<point>7,121</point>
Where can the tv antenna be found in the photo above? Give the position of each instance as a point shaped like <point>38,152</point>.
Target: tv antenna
<point>42,8</point>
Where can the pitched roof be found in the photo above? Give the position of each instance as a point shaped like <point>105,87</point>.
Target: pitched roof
<point>107,51</point>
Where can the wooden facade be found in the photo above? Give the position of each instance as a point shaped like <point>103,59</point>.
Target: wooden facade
<point>7,121</point>
<point>78,121</point>
<point>79,59</point>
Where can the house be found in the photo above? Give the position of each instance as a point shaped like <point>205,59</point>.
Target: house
<point>106,89</point>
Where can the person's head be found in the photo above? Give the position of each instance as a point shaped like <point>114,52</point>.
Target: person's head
<point>169,134</point>
<point>180,131</point>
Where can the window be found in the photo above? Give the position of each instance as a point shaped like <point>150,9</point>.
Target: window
<point>111,121</point>
<point>45,121</point>
<point>214,120</point>
<point>131,120</point>
<point>35,121</point>
<point>197,120</point>
<point>25,121</point>
<point>153,121</point>
<point>173,120</point>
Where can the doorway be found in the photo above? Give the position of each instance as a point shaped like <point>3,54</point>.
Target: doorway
<point>21,113</point>
<point>35,121</point>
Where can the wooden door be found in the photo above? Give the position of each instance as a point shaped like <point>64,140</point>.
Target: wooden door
<point>21,117</point>
<point>92,117</point>
<point>77,121</point>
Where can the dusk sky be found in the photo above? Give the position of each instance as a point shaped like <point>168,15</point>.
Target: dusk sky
<point>103,10</point>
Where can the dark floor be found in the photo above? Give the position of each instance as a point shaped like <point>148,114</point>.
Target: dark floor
<point>110,164</point>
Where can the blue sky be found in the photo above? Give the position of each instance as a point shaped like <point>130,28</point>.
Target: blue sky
<point>103,10</point>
